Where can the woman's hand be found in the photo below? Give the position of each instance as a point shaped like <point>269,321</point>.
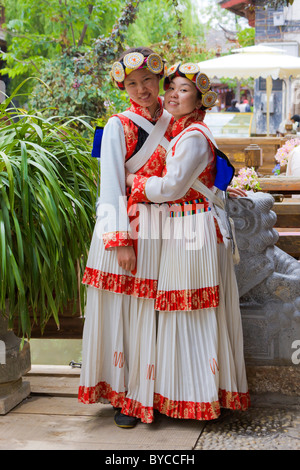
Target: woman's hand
<point>126,257</point>
<point>235,192</point>
<point>129,178</point>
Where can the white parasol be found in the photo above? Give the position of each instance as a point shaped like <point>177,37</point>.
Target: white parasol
<point>254,61</point>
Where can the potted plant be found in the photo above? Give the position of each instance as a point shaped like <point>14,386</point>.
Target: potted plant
<point>47,209</point>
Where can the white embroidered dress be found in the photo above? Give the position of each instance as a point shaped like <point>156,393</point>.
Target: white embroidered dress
<point>119,339</point>
<point>200,363</point>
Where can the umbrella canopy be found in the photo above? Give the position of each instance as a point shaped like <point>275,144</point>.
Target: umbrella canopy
<point>254,62</point>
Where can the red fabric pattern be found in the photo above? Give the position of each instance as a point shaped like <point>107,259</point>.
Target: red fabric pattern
<point>171,408</point>
<point>187,300</point>
<point>113,239</point>
<point>153,167</point>
<point>182,123</point>
<point>120,283</point>
<point>138,193</point>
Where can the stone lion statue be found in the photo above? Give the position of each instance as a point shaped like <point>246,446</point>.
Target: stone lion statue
<point>268,281</point>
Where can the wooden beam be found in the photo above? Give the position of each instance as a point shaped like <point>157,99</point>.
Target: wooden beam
<point>280,184</point>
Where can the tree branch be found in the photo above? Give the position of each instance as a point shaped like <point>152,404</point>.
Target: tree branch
<point>72,30</point>
<point>83,32</point>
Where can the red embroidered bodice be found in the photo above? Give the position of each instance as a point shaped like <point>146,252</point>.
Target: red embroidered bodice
<point>207,176</point>
<point>153,167</point>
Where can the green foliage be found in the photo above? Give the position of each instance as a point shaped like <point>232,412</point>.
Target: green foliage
<point>246,37</point>
<point>78,78</point>
<point>171,28</point>
<point>77,72</point>
<point>70,45</point>
<point>40,31</point>
<point>47,206</point>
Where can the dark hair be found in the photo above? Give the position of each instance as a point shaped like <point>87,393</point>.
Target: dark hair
<point>296,118</point>
<point>146,51</point>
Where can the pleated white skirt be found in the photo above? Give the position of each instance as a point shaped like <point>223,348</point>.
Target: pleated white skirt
<point>103,271</point>
<point>119,353</point>
<point>192,364</point>
<point>200,360</point>
<point>189,275</point>
<point>119,338</point>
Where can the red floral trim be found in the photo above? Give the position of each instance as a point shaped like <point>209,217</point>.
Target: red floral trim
<point>234,400</point>
<point>202,411</point>
<point>135,408</point>
<point>113,239</point>
<point>138,193</point>
<point>196,116</point>
<point>120,283</point>
<point>136,108</point>
<point>101,391</point>
<point>188,299</point>
<point>171,408</point>
<point>186,409</point>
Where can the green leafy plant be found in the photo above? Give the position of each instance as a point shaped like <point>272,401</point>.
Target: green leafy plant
<point>47,208</point>
<point>78,78</point>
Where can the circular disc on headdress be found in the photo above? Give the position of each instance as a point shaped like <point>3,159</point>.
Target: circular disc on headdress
<point>172,69</point>
<point>189,68</point>
<point>155,63</point>
<point>209,99</point>
<point>117,72</point>
<point>202,82</point>
<point>133,60</point>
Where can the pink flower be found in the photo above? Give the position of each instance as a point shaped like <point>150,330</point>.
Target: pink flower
<point>282,154</point>
<point>247,179</point>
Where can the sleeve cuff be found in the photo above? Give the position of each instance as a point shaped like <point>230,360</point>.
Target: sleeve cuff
<point>138,193</point>
<point>114,239</point>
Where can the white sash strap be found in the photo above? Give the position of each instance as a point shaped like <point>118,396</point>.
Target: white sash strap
<point>203,129</point>
<point>139,120</point>
<point>156,137</point>
<point>201,188</point>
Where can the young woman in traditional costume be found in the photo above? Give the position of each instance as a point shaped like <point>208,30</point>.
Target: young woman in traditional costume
<point>200,361</point>
<point>119,339</point>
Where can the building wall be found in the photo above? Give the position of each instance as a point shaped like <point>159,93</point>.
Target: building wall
<point>278,28</point>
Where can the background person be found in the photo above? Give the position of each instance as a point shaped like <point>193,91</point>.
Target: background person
<point>233,108</point>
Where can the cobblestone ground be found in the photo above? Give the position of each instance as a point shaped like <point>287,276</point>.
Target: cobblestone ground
<point>255,429</point>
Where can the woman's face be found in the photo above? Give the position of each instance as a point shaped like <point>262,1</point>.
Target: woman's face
<point>142,87</point>
<point>181,97</point>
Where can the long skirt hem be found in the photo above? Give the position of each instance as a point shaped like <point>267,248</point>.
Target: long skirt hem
<point>203,411</point>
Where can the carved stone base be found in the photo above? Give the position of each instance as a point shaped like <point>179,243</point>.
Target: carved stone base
<point>12,393</point>
<point>14,363</point>
<point>284,380</point>
<point>269,286</point>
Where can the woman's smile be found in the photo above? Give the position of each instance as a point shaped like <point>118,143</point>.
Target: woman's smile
<point>142,87</point>
<point>181,98</point>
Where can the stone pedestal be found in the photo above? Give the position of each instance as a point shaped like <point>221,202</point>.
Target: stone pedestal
<point>14,363</point>
<point>269,287</point>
